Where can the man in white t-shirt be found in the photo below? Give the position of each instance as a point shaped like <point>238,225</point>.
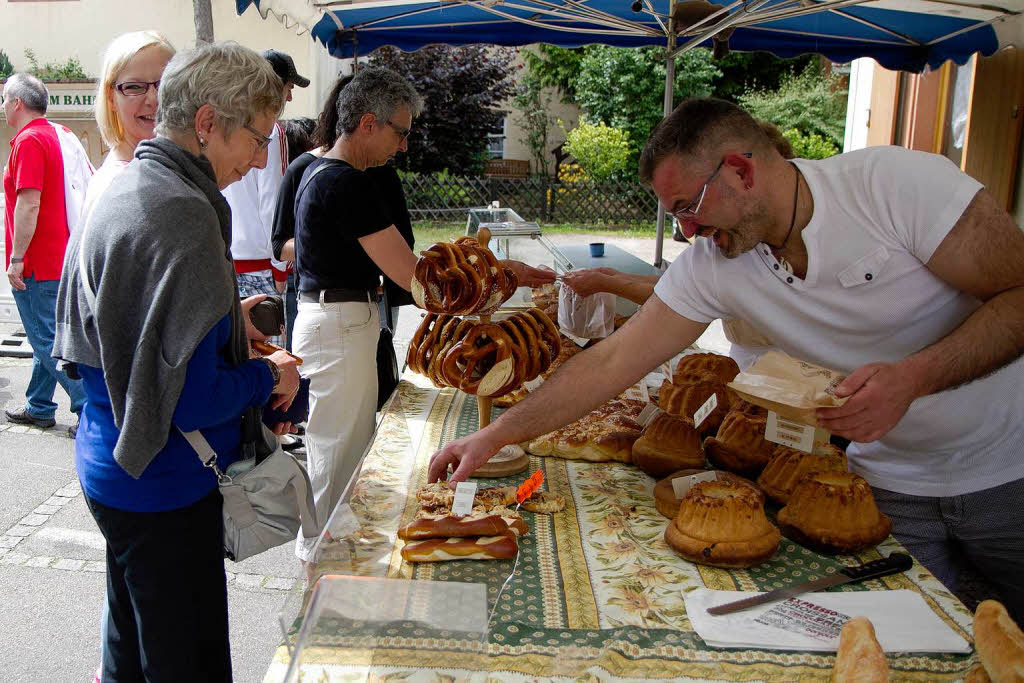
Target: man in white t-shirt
<point>889,265</point>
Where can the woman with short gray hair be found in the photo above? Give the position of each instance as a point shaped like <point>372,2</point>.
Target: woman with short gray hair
<point>345,239</point>
<point>148,310</point>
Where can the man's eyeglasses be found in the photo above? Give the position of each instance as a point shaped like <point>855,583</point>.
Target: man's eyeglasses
<point>136,88</point>
<point>262,141</point>
<point>403,133</point>
<point>693,208</point>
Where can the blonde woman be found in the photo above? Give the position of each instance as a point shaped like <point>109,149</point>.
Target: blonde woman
<point>126,101</point>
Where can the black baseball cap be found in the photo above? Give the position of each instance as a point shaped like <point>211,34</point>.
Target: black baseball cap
<point>284,67</point>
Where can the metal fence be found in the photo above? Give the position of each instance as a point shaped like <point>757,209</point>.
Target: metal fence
<point>447,197</point>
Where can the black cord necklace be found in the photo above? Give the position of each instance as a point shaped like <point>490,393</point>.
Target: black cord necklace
<point>792,220</point>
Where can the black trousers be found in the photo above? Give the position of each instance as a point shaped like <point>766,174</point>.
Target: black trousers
<point>167,600</point>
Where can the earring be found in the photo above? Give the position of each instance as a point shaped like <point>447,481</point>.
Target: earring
<point>201,140</point>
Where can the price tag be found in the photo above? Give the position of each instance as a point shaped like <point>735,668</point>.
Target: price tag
<point>533,384</point>
<point>788,433</point>
<point>680,485</point>
<point>705,410</point>
<point>647,415</point>
<point>465,492</point>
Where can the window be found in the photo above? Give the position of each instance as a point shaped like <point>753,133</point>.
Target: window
<point>496,138</point>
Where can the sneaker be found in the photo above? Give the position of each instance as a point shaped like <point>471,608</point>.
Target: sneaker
<point>22,417</point>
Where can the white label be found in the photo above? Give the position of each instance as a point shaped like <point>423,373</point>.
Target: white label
<point>465,492</point>
<point>638,392</point>
<point>647,415</point>
<point>533,384</point>
<point>580,341</point>
<point>788,433</point>
<point>680,485</point>
<point>705,410</point>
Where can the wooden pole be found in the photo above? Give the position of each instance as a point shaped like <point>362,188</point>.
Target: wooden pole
<point>483,403</point>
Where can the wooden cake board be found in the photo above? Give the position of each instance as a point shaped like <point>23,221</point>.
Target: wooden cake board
<point>511,459</point>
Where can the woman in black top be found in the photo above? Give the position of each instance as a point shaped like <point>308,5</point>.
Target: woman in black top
<point>345,239</point>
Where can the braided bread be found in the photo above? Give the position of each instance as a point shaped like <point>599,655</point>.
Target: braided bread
<point>461,278</point>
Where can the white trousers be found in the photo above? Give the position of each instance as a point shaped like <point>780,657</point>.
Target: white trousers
<point>338,346</point>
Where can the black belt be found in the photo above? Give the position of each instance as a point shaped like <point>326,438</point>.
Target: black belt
<point>334,296</point>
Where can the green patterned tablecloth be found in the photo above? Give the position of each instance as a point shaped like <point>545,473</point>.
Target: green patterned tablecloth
<point>596,593</point>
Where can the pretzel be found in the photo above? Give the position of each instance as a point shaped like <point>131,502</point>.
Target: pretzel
<point>520,351</point>
<point>461,278</point>
<point>266,348</point>
<point>449,337</point>
<point>503,547</point>
<point>550,332</point>
<point>425,350</point>
<point>417,341</point>
<point>543,351</point>
<point>451,526</point>
<point>468,361</point>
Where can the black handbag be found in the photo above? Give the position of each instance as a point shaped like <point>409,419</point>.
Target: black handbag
<point>388,372</point>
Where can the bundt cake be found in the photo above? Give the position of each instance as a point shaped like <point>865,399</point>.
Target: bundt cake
<point>684,401</point>
<point>788,466</point>
<point>705,367</point>
<point>668,444</point>
<point>740,445</point>
<point>722,524</point>
<point>665,501</point>
<point>833,512</point>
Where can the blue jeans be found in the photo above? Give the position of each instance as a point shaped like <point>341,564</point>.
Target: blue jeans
<point>37,306</point>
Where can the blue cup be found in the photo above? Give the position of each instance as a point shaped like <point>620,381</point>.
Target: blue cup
<point>597,249</point>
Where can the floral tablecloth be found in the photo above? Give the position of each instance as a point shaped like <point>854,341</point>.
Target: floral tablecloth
<point>595,594</point>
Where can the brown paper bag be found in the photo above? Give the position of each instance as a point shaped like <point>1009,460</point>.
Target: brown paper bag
<point>794,389</point>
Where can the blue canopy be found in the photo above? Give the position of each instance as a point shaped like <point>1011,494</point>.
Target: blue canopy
<point>899,34</point>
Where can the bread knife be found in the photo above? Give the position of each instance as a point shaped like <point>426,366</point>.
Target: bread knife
<point>894,564</point>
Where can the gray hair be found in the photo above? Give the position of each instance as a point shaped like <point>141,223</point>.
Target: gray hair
<point>378,91</point>
<point>234,80</point>
<point>30,90</point>
<point>701,128</point>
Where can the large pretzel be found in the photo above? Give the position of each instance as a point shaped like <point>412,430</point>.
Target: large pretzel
<point>412,357</point>
<point>449,338</point>
<point>468,361</point>
<point>462,278</point>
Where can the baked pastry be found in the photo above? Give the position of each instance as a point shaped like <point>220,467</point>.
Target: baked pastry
<point>668,444</point>
<point>788,466</point>
<point>480,522</point>
<point>665,501</point>
<point>740,445</point>
<point>685,400</point>
<point>438,497</point>
<point>999,641</point>
<point>605,434</point>
<point>544,502</point>
<point>502,547</point>
<point>860,658</point>
<point>722,524</point>
<point>833,512</point>
<point>705,367</point>
<point>461,278</point>
<point>567,349</point>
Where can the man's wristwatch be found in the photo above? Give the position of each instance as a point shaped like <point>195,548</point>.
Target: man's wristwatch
<point>274,371</point>
<point>17,259</point>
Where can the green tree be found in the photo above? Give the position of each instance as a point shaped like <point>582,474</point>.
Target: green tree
<point>810,102</point>
<point>6,68</point>
<point>810,146</point>
<point>54,71</point>
<point>601,151</point>
<point>534,119</point>
<point>624,87</point>
<point>744,71</point>
<point>556,67</point>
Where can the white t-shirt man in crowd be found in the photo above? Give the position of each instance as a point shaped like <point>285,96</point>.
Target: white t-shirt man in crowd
<point>889,265</point>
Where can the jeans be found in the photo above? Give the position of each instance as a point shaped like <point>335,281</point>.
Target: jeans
<point>251,284</point>
<point>37,306</point>
<point>167,598</point>
<point>985,528</point>
<point>338,345</point>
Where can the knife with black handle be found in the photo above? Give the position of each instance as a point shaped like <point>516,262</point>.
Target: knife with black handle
<point>894,564</point>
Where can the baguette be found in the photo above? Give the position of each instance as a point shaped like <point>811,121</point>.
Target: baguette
<point>451,526</point>
<point>860,658</point>
<point>999,641</point>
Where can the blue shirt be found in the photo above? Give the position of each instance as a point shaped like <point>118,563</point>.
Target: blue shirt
<point>212,399</point>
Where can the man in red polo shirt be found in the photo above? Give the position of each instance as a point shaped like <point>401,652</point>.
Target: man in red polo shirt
<point>35,236</point>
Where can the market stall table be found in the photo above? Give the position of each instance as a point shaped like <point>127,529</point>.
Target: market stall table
<point>594,594</point>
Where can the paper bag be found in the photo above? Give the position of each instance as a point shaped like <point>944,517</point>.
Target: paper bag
<point>794,389</point>
<point>589,317</point>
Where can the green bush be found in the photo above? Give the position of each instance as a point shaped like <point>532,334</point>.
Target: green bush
<point>811,146</point>
<point>54,71</point>
<point>602,151</point>
<point>6,68</point>
<point>810,102</point>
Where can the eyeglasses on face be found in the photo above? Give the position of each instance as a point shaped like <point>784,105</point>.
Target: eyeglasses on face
<point>262,141</point>
<point>136,88</point>
<point>693,208</point>
<point>403,133</point>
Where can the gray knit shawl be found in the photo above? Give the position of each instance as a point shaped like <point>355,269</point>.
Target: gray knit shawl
<point>157,250</point>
